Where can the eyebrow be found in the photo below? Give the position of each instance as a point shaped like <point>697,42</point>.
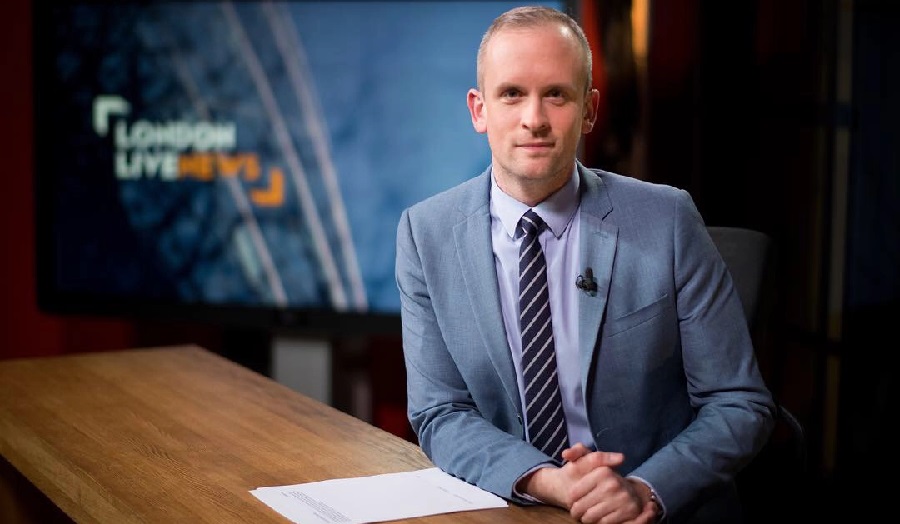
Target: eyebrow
<point>505,86</point>
<point>511,85</point>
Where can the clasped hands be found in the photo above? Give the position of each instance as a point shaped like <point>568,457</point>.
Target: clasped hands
<point>589,487</point>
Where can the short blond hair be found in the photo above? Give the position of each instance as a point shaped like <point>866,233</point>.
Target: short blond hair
<point>526,17</point>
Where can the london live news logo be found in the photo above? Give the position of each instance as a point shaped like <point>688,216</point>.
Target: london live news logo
<point>177,150</point>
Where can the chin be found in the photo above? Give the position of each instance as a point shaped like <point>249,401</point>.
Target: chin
<point>538,170</point>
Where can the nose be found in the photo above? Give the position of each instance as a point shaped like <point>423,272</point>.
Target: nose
<point>534,117</point>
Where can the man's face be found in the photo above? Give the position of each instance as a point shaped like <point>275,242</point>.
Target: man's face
<point>533,107</point>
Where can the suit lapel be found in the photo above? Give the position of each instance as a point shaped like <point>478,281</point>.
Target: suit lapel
<point>476,257</point>
<point>599,240</point>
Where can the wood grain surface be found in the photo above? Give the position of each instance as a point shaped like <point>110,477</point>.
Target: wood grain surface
<point>180,434</point>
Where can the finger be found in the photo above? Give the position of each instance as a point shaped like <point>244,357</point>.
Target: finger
<point>604,496</point>
<point>575,452</point>
<point>615,509</point>
<point>647,515</point>
<point>603,511</point>
<point>590,508</point>
<point>610,459</point>
<point>597,460</point>
<point>594,486</point>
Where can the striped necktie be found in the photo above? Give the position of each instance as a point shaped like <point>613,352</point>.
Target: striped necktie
<point>543,402</point>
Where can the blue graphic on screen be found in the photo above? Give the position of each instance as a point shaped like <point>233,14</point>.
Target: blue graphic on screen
<point>256,153</point>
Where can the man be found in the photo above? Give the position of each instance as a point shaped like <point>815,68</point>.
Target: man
<point>662,402</point>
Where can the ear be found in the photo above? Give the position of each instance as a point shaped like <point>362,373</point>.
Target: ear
<point>475,101</point>
<point>591,103</point>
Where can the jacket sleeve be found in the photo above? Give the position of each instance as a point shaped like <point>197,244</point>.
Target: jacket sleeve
<point>734,410</point>
<point>451,428</point>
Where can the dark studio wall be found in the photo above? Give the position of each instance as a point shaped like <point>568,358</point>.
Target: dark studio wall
<point>872,301</point>
<point>782,116</point>
<point>24,331</point>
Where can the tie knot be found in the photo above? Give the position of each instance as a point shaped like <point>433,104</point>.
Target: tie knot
<point>531,223</point>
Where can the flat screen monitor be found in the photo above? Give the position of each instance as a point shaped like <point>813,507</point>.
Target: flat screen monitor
<point>245,162</point>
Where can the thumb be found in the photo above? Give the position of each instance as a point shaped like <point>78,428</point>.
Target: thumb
<point>575,452</point>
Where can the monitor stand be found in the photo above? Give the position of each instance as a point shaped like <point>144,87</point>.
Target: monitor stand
<point>303,364</point>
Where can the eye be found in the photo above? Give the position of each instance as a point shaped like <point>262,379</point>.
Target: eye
<point>555,93</point>
<point>510,94</point>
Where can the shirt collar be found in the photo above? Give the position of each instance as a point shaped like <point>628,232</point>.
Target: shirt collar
<point>557,210</point>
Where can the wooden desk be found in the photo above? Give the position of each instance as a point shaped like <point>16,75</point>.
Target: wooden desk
<point>182,435</point>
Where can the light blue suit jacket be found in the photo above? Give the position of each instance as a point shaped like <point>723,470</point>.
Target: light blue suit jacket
<point>669,373</point>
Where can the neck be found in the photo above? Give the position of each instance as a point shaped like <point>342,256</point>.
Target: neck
<point>528,191</point>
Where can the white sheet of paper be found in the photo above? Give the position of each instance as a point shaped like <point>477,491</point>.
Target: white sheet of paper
<point>377,498</point>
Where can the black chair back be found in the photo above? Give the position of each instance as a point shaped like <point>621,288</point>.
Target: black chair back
<point>782,464</point>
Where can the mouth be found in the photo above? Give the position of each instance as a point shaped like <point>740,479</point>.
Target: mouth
<point>536,146</point>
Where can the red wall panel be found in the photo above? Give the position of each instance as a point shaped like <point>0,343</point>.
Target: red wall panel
<point>24,330</point>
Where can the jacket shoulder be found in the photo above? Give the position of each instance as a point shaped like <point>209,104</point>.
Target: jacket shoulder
<point>632,194</point>
<point>463,199</point>
<point>624,183</point>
